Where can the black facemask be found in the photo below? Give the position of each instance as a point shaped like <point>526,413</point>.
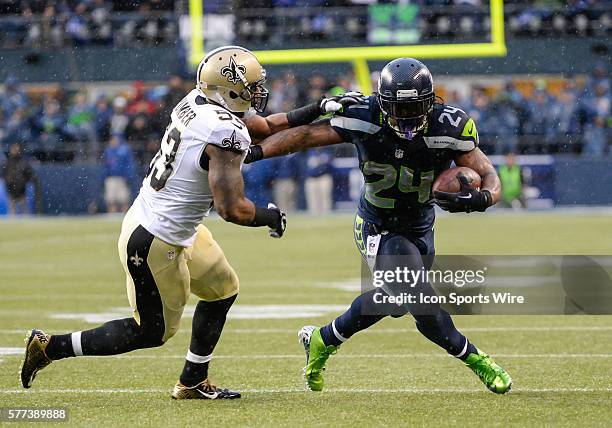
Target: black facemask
<point>407,117</point>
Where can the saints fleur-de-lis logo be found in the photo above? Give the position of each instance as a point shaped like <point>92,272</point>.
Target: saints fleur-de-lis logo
<point>136,260</point>
<point>233,71</point>
<point>232,142</point>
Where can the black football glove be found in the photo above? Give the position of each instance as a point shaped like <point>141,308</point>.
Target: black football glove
<point>466,200</point>
<point>337,103</point>
<point>279,229</point>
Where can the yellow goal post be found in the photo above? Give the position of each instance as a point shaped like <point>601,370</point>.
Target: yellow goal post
<point>359,56</point>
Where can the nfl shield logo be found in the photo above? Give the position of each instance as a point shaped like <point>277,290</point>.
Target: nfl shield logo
<point>399,153</point>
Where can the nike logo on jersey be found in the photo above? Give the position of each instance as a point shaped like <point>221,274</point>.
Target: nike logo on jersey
<point>465,196</point>
<point>233,71</point>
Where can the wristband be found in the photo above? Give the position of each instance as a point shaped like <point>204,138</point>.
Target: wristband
<point>488,198</point>
<point>255,153</point>
<point>265,217</point>
<point>304,115</point>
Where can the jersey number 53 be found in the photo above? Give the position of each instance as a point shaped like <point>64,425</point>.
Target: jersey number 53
<point>162,165</point>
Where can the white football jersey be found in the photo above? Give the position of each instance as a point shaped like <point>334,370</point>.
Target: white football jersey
<point>175,195</point>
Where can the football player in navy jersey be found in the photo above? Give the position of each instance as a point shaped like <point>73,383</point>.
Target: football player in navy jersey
<point>404,140</point>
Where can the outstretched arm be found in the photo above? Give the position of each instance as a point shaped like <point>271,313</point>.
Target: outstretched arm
<point>294,140</point>
<point>227,186</point>
<point>480,163</point>
<point>262,127</point>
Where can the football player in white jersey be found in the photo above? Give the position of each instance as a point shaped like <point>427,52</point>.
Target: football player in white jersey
<point>165,250</point>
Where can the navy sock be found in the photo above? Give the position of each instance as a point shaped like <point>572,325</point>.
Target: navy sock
<point>441,330</point>
<point>361,315</point>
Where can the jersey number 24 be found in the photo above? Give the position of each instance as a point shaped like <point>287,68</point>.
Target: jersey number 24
<point>389,174</point>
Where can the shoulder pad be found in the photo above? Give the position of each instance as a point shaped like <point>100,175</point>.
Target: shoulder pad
<point>221,128</point>
<point>451,128</point>
<point>358,117</point>
<point>229,136</point>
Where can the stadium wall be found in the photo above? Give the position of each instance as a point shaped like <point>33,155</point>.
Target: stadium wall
<point>533,56</point>
<point>583,182</point>
<point>78,189</point>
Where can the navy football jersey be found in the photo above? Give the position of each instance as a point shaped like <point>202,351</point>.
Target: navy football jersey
<point>399,173</point>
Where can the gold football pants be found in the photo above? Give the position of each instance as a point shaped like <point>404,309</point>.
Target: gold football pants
<point>160,276</point>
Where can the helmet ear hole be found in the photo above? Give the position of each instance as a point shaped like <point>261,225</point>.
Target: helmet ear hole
<point>233,95</point>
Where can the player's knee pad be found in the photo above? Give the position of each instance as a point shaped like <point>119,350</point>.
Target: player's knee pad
<point>221,287</point>
<point>398,245</point>
<point>212,277</point>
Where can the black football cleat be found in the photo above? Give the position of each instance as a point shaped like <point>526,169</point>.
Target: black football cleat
<point>202,391</point>
<point>35,356</point>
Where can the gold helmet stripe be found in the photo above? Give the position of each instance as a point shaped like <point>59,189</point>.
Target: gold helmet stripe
<point>224,48</point>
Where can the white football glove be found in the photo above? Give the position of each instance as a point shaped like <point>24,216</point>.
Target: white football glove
<point>337,103</point>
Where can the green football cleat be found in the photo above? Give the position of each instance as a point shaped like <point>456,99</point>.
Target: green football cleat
<point>490,373</point>
<point>316,356</point>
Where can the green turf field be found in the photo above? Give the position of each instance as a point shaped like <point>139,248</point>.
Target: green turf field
<point>63,275</point>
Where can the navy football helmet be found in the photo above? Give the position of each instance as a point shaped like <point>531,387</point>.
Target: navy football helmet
<point>406,96</point>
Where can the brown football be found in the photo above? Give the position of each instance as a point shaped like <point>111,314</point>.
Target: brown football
<point>448,181</point>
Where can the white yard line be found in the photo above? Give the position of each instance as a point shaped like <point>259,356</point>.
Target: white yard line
<point>19,351</point>
<point>302,391</point>
<point>387,330</point>
<point>359,356</point>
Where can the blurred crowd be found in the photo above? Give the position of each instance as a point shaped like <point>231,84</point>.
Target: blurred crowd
<point>44,23</point>
<point>61,125</point>
<point>32,7</point>
<point>47,24</point>
<point>122,131</point>
<point>575,119</point>
<point>274,23</point>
